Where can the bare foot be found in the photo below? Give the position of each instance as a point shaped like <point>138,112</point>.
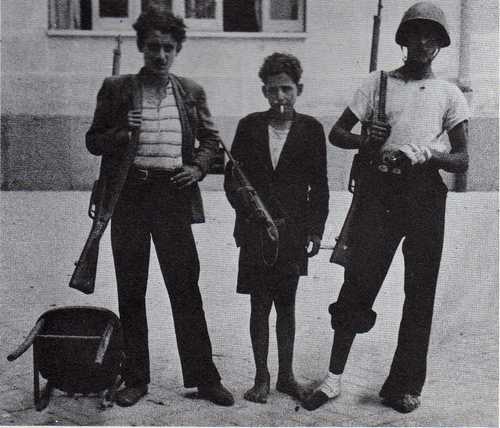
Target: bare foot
<point>258,393</point>
<point>293,388</point>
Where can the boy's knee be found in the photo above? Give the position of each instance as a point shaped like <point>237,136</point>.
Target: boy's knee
<point>351,319</point>
<point>260,305</point>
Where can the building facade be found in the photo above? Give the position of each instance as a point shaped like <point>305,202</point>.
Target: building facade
<point>55,54</point>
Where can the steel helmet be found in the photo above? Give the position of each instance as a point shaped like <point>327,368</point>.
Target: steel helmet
<point>425,11</point>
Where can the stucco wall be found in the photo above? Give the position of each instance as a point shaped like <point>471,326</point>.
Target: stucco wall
<point>49,82</point>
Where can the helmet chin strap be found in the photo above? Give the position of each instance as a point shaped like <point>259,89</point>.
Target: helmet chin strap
<point>404,55</point>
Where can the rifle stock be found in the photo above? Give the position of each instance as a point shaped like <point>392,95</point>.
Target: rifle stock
<point>342,251</point>
<point>341,254</point>
<point>83,278</point>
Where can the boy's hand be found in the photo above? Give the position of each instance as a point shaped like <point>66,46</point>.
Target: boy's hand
<point>377,133</point>
<point>416,154</point>
<point>134,119</point>
<point>315,241</point>
<point>188,175</point>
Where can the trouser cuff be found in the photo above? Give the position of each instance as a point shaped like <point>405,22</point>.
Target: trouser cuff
<point>350,319</point>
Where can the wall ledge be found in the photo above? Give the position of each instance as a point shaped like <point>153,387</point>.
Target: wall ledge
<point>190,35</point>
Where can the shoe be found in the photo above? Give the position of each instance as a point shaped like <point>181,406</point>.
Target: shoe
<point>328,390</point>
<point>404,404</point>
<point>130,395</point>
<point>315,400</point>
<point>216,393</point>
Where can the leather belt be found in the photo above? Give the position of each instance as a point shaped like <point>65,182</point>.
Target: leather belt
<point>150,174</point>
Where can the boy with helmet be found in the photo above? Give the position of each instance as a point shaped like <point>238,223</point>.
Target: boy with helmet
<point>396,203</point>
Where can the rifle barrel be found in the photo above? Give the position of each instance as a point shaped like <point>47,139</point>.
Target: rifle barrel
<point>117,53</point>
<point>375,37</point>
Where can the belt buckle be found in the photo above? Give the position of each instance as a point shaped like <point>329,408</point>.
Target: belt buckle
<point>144,172</point>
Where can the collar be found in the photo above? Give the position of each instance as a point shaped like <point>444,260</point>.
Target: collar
<point>410,75</point>
<point>271,114</point>
<point>151,79</point>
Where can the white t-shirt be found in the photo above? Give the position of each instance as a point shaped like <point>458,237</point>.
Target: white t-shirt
<point>277,138</point>
<point>419,112</point>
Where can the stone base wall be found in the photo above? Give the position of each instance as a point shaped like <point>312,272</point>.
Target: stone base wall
<point>48,153</point>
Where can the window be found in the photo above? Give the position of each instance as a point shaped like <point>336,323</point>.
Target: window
<point>114,14</point>
<point>282,15</point>
<point>199,15</point>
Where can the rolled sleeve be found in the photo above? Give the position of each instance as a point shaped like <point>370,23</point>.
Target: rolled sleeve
<point>458,109</point>
<point>362,104</point>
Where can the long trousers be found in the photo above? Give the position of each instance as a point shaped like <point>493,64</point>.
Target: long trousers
<point>157,209</point>
<point>393,208</point>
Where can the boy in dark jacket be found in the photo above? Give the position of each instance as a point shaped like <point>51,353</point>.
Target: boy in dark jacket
<point>283,154</point>
<point>144,127</point>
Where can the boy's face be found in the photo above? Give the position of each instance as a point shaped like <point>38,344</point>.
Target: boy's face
<point>423,42</point>
<point>281,90</point>
<point>159,50</point>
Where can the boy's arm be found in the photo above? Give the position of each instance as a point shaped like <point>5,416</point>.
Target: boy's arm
<point>318,192</point>
<point>105,137</point>
<point>458,159</point>
<point>342,137</point>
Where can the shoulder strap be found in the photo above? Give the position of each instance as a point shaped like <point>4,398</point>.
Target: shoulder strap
<point>382,96</point>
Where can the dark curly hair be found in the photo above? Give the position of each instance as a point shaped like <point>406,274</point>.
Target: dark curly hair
<point>281,63</point>
<point>159,18</point>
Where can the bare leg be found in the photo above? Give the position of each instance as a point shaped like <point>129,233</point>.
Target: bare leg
<point>261,303</point>
<point>284,303</point>
<point>330,387</point>
<point>342,343</point>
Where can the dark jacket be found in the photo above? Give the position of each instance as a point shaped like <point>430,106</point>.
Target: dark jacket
<point>109,137</point>
<point>109,128</point>
<point>296,191</point>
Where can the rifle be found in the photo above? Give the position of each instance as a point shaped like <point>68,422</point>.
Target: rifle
<point>342,251</point>
<point>83,278</point>
<point>115,71</point>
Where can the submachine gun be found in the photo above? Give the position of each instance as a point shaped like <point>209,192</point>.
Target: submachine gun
<point>258,211</point>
